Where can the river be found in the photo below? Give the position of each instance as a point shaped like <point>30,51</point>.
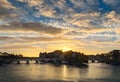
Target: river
<point>96,72</point>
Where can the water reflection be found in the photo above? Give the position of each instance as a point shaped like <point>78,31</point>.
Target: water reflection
<point>36,72</point>
<point>64,71</point>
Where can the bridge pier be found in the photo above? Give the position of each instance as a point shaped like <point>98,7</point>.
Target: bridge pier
<point>18,62</point>
<point>36,62</point>
<point>93,61</point>
<point>27,62</point>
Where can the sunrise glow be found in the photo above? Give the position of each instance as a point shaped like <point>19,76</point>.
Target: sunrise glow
<point>32,26</point>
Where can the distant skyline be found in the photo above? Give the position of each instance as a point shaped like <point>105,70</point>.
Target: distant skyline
<point>28,27</point>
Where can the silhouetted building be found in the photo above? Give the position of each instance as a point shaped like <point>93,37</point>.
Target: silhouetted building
<point>72,58</point>
<point>56,54</point>
<point>115,57</point>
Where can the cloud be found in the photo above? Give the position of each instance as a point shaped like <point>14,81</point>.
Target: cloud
<point>111,2</point>
<point>88,24</point>
<point>5,38</point>
<point>44,39</point>
<point>35,27</point>
<point>23,40</point>
<point>5,6</point>
<point>17,47</point>
<point>78,13</point>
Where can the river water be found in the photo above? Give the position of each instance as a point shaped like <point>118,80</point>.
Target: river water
<point>96,72</point>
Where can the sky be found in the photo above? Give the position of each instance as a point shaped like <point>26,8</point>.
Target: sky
<point>29,27</point>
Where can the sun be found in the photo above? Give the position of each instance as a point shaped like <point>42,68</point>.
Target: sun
<point>65,48</point>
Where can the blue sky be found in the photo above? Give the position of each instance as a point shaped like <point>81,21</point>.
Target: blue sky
<point>31,26</point>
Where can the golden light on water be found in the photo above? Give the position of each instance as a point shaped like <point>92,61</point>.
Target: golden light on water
<point>64,71</point>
